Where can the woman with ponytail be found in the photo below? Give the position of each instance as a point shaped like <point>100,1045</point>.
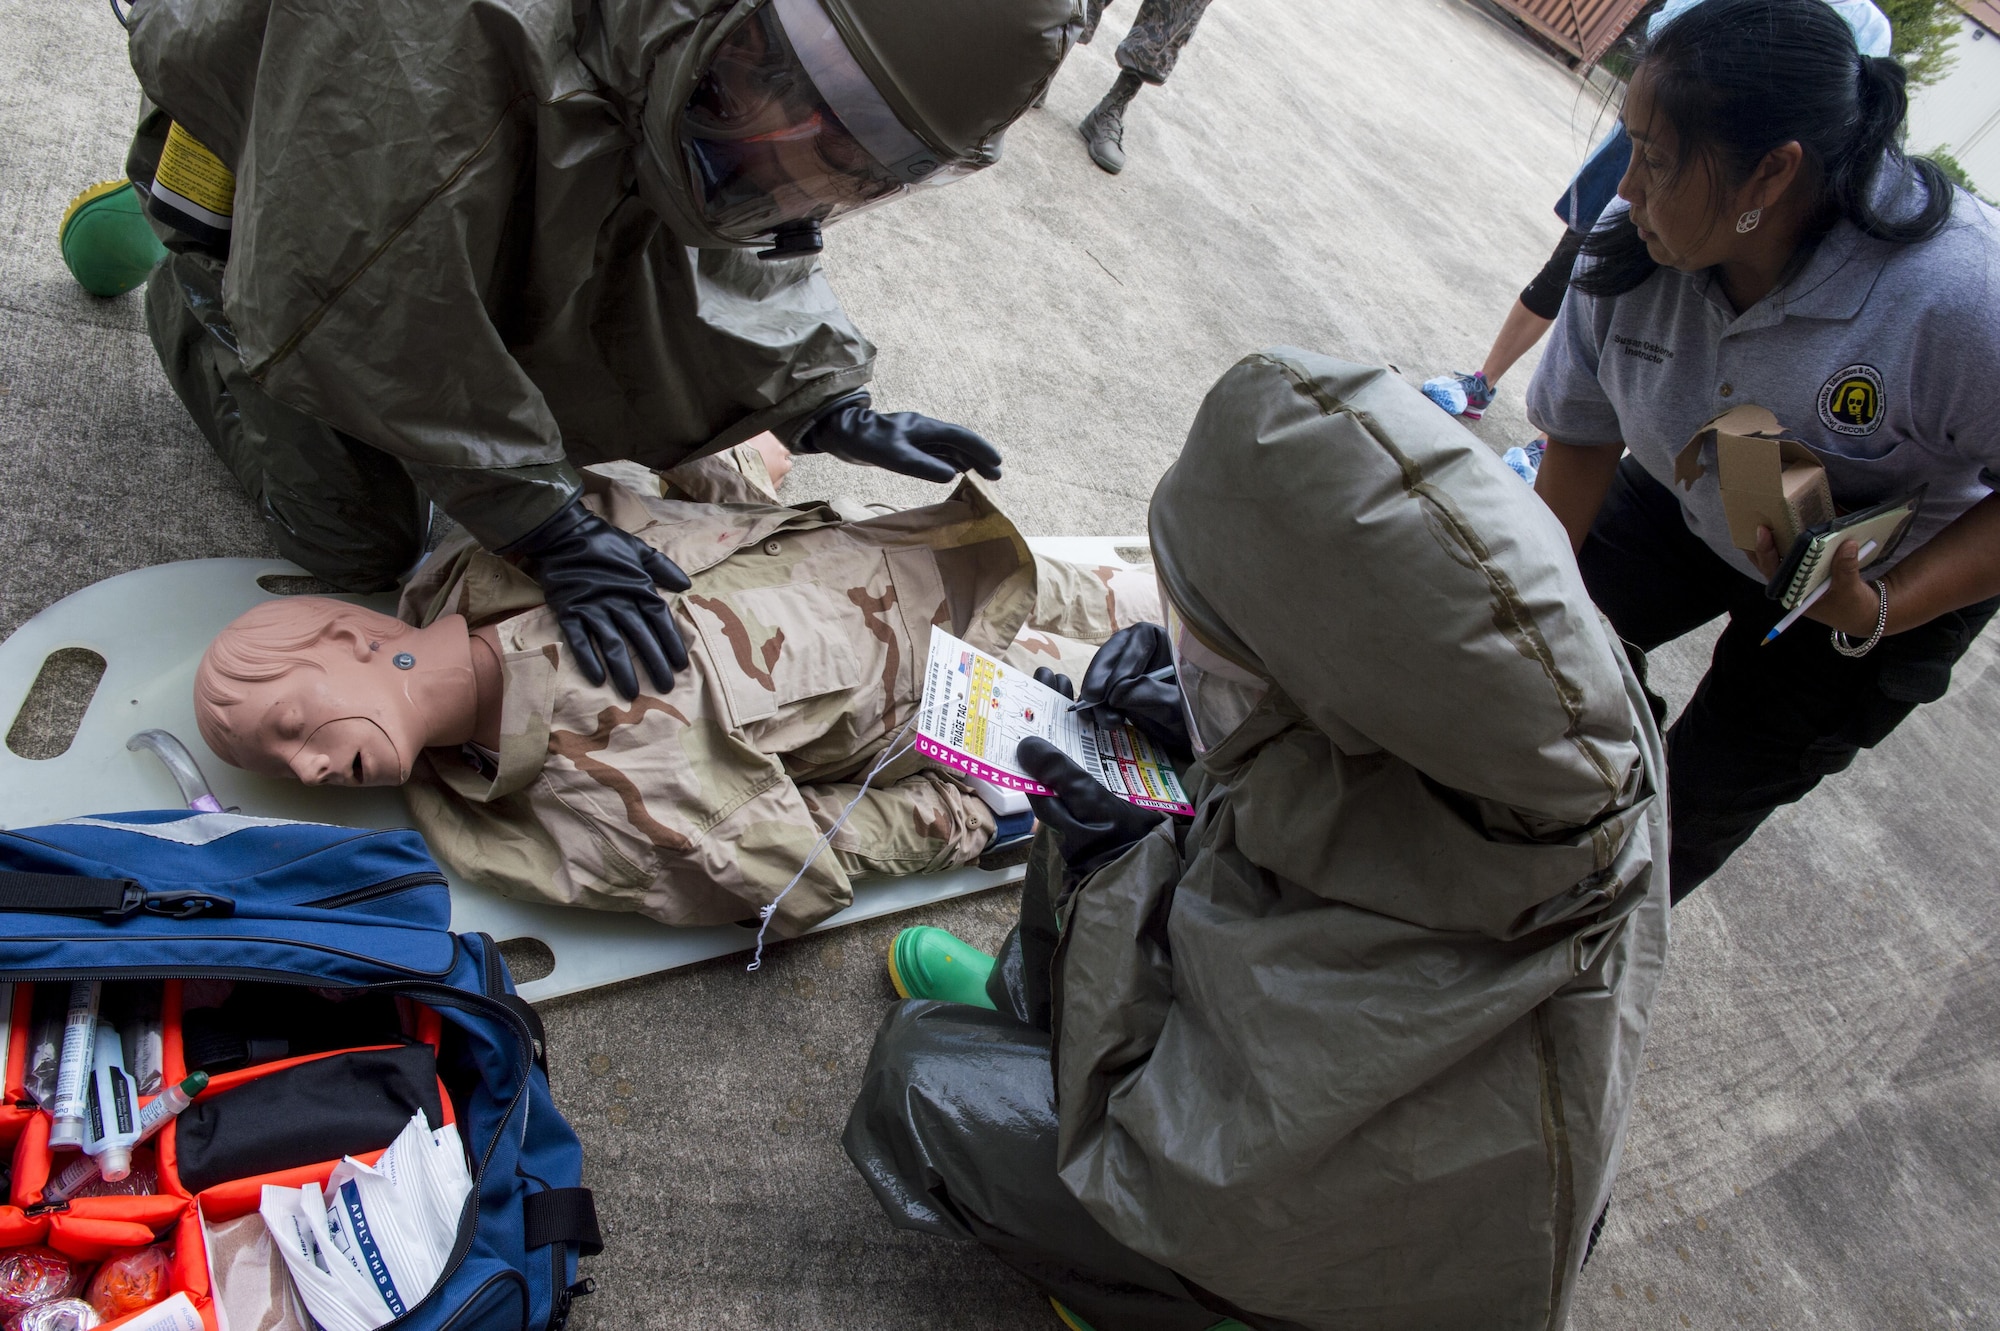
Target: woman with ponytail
<point>1773,245</point>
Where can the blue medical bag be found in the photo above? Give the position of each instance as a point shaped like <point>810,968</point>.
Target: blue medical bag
<point>190,898</point>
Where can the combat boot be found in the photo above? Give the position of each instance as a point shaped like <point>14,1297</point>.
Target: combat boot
<point>1103,131</point>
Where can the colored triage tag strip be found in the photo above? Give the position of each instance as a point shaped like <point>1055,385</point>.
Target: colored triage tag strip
<point>193,190</point>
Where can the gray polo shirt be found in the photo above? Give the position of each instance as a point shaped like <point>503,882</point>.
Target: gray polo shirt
<point>1884,359</point>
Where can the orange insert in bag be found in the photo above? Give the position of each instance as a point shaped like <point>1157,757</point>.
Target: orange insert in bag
<point>118,1229</point>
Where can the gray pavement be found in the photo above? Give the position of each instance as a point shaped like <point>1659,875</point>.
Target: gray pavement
<point>1819,1126</point>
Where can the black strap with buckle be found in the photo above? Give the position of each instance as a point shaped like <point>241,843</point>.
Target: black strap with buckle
<point>27,893</point>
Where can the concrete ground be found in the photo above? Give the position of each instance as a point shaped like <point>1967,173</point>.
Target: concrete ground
<point>1819,1127</point>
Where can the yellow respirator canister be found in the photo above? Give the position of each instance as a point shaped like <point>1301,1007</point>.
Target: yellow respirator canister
<point>192,190</point>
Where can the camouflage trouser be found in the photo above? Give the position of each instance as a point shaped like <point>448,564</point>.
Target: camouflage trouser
<point>1078,606</point>
<point>1157,36</point>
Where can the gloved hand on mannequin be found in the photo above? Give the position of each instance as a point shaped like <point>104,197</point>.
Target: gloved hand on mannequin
<point>602,584</point>
<point>1131,678</point>
<point>1092,825</point>
<point>902,442</point>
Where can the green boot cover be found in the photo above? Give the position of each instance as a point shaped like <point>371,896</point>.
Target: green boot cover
<point>930,963</point>
<point>106,240</point>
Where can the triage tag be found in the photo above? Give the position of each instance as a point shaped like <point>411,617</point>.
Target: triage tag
<point>192,190</point>
<point>976,711</point>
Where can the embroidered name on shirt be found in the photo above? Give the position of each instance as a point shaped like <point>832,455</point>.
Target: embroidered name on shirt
<point>1851,401</point>
<point>1644,350</point>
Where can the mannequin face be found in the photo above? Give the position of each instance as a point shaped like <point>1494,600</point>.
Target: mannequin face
<point>344,713</point>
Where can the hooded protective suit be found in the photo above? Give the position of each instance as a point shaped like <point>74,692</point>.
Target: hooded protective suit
<point>1357,1047</point>
<point>480,237</point>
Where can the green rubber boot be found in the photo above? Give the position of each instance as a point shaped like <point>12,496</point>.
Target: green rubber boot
<point>1075,1323</point>
<point>930,963</point>
<point>106,240</point>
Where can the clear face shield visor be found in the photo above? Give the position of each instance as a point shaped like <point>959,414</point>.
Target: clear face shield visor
<point>786,127</point>
<point>1217,694</point>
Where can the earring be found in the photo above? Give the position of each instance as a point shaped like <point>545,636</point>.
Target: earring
<point>1748,222</point>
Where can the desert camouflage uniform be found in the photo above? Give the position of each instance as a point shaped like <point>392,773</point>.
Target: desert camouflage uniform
<point>1157,36</point>
<point>806,636</point>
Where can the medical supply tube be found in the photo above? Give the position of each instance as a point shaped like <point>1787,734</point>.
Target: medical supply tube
<point>45,1029</point>
<point>137,1012</point>
<point>112,1125</point>
<point>73,1075</point>
<point>159,1111</point>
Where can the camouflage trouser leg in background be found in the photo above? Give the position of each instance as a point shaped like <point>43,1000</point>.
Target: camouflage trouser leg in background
<point>1157,36</point>
<point>1078,606</point>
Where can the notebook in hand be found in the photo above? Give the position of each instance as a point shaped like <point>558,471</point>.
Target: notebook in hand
<point>1811,559</point>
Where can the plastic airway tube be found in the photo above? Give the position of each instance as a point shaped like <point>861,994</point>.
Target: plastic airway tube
<point>181,765</point>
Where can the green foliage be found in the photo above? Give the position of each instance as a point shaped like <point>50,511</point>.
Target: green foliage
<point>1924,31</point>
<point>1949,165</point>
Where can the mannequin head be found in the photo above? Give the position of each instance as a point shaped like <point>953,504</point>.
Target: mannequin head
<point>330,693</point>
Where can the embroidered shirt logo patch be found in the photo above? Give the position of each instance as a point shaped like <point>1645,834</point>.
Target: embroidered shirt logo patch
<point>1851,401</point>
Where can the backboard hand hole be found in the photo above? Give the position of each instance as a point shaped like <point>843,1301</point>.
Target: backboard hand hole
<point>296,584</point>
<point>528,959</point>
<point>49,717</point>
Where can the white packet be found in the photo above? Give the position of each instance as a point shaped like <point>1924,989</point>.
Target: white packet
<point>337,1295</point>
<point>401,1214</point>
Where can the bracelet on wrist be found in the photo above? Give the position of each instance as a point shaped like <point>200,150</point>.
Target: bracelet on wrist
<point>1852,649</point>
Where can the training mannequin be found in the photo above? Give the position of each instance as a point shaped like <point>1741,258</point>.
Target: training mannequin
<point>807,634</point>
<point>335,694</point>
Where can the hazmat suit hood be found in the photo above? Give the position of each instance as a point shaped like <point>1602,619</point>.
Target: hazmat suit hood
<point>1356,1048</point>
<point>879,97</point>
<point>1327,528</point>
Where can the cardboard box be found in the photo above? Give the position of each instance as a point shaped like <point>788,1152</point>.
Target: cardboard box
<point>1766,479</point>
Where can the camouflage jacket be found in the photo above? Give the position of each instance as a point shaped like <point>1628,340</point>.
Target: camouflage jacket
<point>806,636</point>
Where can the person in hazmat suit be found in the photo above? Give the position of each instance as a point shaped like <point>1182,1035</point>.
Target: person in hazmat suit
<point>452,252</point>
<point>1355,1047</point>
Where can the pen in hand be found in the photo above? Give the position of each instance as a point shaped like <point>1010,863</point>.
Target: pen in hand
<point>1860,561</point>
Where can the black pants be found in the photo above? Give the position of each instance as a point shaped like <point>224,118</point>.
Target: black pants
<point>955,1130</point>
<point>1766,723</point>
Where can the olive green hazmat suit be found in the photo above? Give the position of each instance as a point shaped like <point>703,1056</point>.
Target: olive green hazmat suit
<point>466,255</point>
<point>1356,1047</point>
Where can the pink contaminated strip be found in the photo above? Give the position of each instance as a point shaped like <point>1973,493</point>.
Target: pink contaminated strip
<point>962,762</point>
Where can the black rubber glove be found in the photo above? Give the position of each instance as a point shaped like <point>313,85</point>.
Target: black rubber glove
<point>1092,825</point>
<point>1060,683</point>
<point>1132,679</point>
<point>600,582</point>
<point>903,442</point>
